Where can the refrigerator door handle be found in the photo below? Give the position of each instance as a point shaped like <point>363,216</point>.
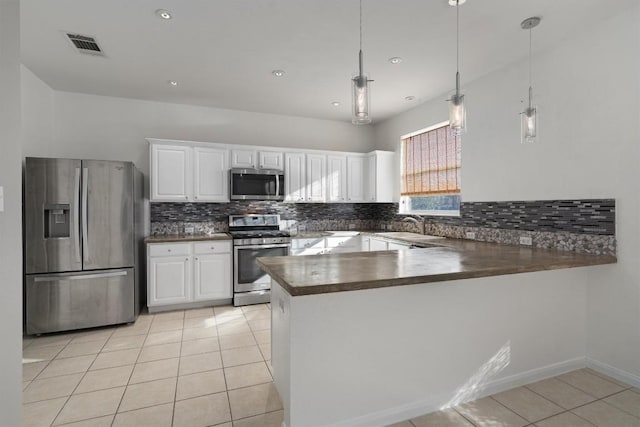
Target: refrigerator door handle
<point>85,213</point>
<point>79,277</point>
<point>76,213</point>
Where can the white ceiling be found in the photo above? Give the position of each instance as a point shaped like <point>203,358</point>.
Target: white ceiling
<point>222,52</point>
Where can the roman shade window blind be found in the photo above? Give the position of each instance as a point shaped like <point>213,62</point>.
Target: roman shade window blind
<point>431,163</point>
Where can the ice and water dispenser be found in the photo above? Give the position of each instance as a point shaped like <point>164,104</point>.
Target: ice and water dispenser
<point>57,221</point>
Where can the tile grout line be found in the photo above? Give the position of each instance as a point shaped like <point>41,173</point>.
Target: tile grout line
<point>175,391</point>
<point>79,382</point>
<point>131,374</point>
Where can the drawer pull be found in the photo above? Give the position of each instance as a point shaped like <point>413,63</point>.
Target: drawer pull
<point>168,250</point>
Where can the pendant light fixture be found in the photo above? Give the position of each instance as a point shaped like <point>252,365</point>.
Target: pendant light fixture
<point>529,117</point>
<point>457,112</point>
<point>360,89</point>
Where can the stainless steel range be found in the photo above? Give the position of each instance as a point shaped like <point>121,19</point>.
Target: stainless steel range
<point>255,236</point>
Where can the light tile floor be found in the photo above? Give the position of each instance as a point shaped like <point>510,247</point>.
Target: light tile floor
<point>211,367</point>
<point>200,367</point>
<point>582,398</point>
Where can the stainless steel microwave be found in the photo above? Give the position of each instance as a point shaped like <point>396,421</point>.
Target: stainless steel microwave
<point>256,184</point>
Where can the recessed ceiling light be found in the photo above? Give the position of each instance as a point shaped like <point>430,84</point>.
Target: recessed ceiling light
<point>164,14</point>
<point>278,73</point>
<point>409,98</point>
<point>335,103</point>
<point>453,2</point>
<point>395,60</point>
<point>173,83</point>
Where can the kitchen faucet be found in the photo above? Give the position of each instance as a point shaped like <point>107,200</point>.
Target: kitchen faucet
<point>420,222</point>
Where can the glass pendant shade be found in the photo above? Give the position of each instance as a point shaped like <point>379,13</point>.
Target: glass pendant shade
<point>360,90</point>
<point>457,114</point>
<point>528,125</point>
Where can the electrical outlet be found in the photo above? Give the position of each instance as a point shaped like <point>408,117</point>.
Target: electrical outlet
<point>470,235</point>
<point>526,240</point>
<point>189,230</point>
<point>352,226</point>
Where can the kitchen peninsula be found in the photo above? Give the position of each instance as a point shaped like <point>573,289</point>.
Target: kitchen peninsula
<point>374,338</point>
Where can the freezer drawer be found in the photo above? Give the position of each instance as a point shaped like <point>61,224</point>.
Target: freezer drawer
<point>61,302</point>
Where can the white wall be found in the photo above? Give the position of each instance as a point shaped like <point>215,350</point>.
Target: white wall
<point>587,88</point>
<point>91,126</point>
<point>11,217</point>
<point>37,111</point>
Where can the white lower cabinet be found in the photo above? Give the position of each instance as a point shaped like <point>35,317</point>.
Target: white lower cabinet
<point>378,244</point>
<point>209,273</point>
<point>170,279</point>
<point>183,273</point>
<point>343,244</point>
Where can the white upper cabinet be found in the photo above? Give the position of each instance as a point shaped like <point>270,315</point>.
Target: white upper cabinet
<point>316,185</point>
<point>355,179</point>
<point>271,160</point>
<point>170,173</point>
<point>382,177</point>
<point>211,175</point>
<point>199,172</point>
<point>246,159</point>
<point>295,178</point>
<point>254,159</point>
<point>189,174</point>
<point>336,178</point>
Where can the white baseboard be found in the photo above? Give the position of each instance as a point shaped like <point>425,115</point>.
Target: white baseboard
<point>613,372</point>
<point>434,403</point>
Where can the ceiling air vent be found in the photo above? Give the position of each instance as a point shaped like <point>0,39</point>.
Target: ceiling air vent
<point>85,44</point>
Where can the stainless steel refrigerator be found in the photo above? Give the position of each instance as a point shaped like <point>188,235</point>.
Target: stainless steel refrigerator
<point>79,244</point>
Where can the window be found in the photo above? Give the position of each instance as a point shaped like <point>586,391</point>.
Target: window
<point>430,183</point>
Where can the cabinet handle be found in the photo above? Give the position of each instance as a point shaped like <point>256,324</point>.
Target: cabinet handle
<point>196,259</point>
<point>213,248</point>
<point>186,197</point>
<point>168,250</point>
<point>196,197</point>
<point>186,259</point>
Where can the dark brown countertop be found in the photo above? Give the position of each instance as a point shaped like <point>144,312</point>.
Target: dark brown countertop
<point>177,238</point>
<point>455,259</point>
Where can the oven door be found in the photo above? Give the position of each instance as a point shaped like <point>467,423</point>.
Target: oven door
<point>247,275</point>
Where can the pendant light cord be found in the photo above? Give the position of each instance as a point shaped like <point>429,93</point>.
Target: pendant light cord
<point>360,24</point>
<point>530,67</point>
<point>457,35</point>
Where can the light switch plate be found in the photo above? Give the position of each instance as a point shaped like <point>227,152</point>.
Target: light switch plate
<point>1,199</point>
<point>470,235</point>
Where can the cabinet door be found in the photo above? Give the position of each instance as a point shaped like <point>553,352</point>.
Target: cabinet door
<point>170,173</point>
<point>243,159</point>
<point>211,175</point>
<point>295,177</point>
<point>365,244</point>
<point>380,166</point>
<point>336,178</point>
<point>212,277</point>
<point>169,280</point>
<point>377,245</point>
<point>270,160</point>
<point>371,178</point>
<point>355,179</point>
<point>316,186</point>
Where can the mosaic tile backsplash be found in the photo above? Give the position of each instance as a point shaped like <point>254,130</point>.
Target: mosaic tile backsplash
<point>577,225</point>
